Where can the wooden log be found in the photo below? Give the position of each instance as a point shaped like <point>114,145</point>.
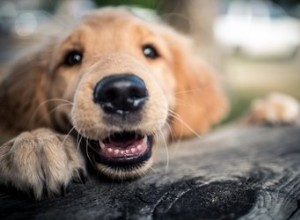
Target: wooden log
<point>234,173</point>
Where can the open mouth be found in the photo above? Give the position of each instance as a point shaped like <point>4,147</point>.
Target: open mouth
<point>122,149</point>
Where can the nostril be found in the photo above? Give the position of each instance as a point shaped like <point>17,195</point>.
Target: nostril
<point>110,94</point>
<point>122,93</point>
<point>137,93</point>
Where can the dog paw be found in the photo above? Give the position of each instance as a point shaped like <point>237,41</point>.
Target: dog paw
<point>275,109</point>
<point>41,163</point>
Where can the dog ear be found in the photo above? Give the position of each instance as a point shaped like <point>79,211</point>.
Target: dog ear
<point>199,100</point>
<point>22,92</point>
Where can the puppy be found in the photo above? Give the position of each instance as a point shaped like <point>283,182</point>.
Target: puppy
<point>112,86</point>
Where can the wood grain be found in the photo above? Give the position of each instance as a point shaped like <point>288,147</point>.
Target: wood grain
<point>234,173</point>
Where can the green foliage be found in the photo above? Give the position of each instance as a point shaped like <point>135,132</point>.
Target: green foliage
<point>152,4</point>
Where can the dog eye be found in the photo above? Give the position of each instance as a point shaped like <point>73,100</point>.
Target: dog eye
<point>150,51</point>
<point>73,58</point>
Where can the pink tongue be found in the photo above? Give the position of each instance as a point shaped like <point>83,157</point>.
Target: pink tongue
<point>128,148</point>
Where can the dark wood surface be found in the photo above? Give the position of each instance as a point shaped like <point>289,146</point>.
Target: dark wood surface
<point>234,173</point>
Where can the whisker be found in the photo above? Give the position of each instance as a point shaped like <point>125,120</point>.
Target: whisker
<point>79,142</point>
<point>166,149</point>
<point>181,102</point>
<point>87,152</point>
<point>189,91</point>
<point>169,127</point>
<point>177,117</point>
<point>153,170</point>
<point>45,102</point>
<point>67,135</point>
<point>55,100</point>
<point>59,106</point>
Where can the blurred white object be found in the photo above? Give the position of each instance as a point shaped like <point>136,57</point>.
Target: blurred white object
<point>28,23</point>
<point>258,29</point>
<point>70,10</point>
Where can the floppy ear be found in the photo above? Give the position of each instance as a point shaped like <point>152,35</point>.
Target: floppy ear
<point>200,102</point>
<point>22,90</point>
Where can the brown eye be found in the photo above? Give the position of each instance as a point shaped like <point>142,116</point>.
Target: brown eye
<point>150,51</point>
<point>73,58</point>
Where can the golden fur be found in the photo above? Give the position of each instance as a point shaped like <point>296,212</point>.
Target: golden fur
<point>42,100</point>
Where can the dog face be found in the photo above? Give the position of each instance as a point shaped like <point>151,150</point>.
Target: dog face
<point>116,74</point>
<point>128,81</point>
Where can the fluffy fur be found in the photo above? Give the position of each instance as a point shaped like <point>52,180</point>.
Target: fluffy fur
<point>43,101</point>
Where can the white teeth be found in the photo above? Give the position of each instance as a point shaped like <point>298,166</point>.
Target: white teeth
<point>131,150</point>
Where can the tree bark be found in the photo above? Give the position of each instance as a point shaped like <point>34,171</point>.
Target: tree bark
<point>234,173</point>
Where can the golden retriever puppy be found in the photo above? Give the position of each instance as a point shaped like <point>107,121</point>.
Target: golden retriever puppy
<point>112,86</point>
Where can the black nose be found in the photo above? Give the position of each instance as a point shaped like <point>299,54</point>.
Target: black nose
<point>121,94</point>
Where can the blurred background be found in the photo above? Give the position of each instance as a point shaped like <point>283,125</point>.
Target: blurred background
<point>253,44</point>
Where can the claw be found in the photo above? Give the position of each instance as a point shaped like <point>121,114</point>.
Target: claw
<point>34,195</point>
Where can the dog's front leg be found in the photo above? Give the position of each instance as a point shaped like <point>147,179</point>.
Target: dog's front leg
<point>274,109</point>
<point>41,162</point>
